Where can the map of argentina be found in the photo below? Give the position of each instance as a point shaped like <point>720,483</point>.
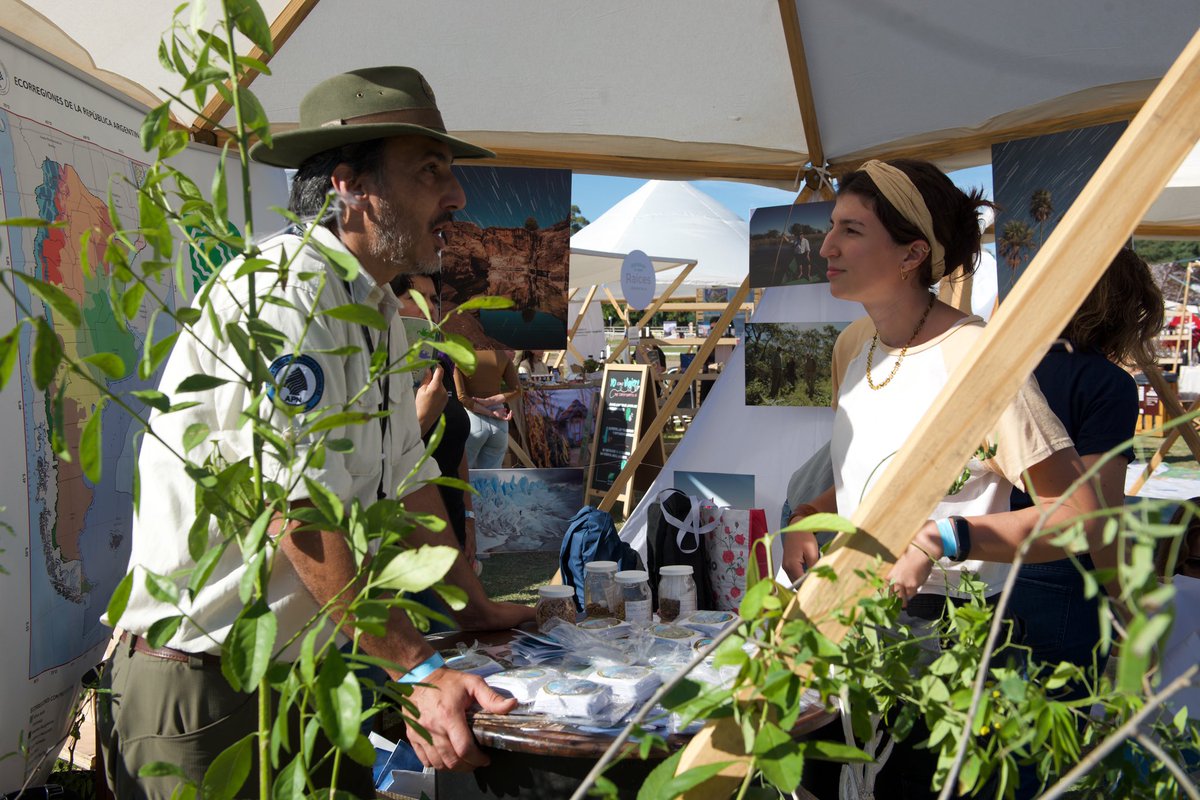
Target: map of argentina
<point>79,531</point>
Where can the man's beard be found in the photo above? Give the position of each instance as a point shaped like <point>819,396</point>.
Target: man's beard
<point>394,243</point>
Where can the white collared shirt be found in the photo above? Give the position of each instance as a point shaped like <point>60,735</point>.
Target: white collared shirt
<point>318,379</point>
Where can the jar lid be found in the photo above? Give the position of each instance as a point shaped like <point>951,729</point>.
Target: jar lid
<point>676,569</point>
<point>596,567</point>
<point>632,576</point>
<point>556,590</point>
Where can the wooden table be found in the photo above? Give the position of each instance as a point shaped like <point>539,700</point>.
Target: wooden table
<point>538,757</point>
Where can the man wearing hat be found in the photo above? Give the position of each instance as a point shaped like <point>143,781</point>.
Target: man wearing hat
<point>374,139</point>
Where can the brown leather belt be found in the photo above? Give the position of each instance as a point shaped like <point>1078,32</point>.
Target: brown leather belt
<point>140,645</point>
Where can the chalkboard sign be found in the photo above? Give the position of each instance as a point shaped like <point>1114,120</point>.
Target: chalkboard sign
<point>628,401</point>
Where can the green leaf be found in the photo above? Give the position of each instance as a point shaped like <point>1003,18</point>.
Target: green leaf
<point>229,770</point>
<point>8,355</point>
<point>254,115</point>
<point>258,530</point>
<point>91,445</point>
<point>154,354</point>
<point>108,363</point>
<point>54,297</point>
<point>47,354</point>
<point>460,352</point>
<point>331,421</point>
<point>220,195</point>
<point>415,570</point>
<point>662,783</point>
<point>160,769</point>
<point>822,522</point>
<point>328,503</point>
<point>162,630</point>
<point>153,398</point>
<point>780,760</point>
<point>29,222</point>
<point>344,265</point>
<point>821,750</point>
<point>195,435</point>
<point>339,702</point>
<point>752,604</point>
<point>358,314</point>
<point>200,383</point>
<point>289,783</point>
<point>154,126</point>
<point>486,302</point>
<point>251,22</point>
<point>363,751</point>
<point>204,76</point>
<point>119,600</point>
<point>162,589</point>
<point>246,653</point>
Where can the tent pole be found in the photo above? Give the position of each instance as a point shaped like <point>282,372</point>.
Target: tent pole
<point>587,301</point>
<point>1056,282</point>
<point>656,305</point>
<point>682,386</point>
<point>800,78</point>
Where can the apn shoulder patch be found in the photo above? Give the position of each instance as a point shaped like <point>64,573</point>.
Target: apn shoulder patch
<point>299,379</point>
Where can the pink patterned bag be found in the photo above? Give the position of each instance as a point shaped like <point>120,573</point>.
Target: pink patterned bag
<point>738,533</point>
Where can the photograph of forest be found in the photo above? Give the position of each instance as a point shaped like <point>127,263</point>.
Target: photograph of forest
<point>788,363</point>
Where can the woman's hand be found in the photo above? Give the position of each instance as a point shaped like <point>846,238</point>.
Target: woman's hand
<point>915,564</point>
<point>431,399</point>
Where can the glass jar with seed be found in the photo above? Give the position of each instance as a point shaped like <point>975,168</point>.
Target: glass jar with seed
<point>633,590</point>
<point>598,588</point>
<point>676,592</point>
<point>554,602</point>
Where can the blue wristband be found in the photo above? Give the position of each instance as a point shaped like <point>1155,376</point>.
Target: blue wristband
<point>949,539</point>
<point>423,670</point>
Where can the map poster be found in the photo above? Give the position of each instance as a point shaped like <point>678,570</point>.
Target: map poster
<point>64,541</point>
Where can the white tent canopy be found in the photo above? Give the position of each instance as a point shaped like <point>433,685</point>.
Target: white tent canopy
<point>1178,207</point>
<point>664,217</point>
<point>675,88</point>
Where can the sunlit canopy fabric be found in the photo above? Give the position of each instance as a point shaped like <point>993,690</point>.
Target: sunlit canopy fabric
<point>683,88</point>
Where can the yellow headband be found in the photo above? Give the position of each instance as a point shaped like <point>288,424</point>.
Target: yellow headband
<point>902,193</point>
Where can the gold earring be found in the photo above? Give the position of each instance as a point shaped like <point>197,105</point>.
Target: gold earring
<point>903,274</point>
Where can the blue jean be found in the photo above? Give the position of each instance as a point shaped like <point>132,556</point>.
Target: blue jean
<point>487,443</point>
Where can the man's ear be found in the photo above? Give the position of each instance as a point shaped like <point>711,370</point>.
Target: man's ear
<point>348,186</point>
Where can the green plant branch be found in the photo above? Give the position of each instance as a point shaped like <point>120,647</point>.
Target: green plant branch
<point>1122,733</point>
<point>1181,777</point>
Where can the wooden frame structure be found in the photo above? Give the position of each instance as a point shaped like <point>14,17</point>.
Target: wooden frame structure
<point>1055,284</point>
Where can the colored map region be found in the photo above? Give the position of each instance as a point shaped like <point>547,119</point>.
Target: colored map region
<point>79,531</point>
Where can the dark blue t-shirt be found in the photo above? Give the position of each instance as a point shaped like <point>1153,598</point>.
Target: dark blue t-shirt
<point>1096,401</point>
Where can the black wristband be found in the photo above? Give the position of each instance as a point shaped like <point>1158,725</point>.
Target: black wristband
<point>962,532</point>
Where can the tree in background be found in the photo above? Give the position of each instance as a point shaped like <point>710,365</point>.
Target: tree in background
<point>578,220</point>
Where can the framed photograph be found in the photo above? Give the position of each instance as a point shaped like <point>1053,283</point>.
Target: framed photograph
<point>788,363</point>
<point>785,244</point>
<point>521,510</point>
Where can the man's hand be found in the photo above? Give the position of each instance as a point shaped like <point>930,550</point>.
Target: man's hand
<point>441,710</point>
<point>800,553</point>
<point>915,564</point>
<point>431,399</point>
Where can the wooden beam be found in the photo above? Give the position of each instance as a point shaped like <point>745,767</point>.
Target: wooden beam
<point>947,148</point>
<point>1168,442</point>
<point>587,301</point>
<point>784,171</point>
<point>800,77</point>
<point>1056,282</point>
<point>1174,409</point>
<point>282,29</point>
<point>1167,230</point>
<point>682,387</point>
<point>656,305</point>
<point>622,313</point>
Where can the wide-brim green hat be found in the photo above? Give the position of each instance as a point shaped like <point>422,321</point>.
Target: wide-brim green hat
<point>359,106</point>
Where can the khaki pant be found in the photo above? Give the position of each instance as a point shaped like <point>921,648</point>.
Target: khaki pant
<point>184,714</point>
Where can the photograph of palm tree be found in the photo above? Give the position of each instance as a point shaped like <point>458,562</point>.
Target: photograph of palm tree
<point>788,363</point>
<point>1035,181</point>
<point>785,244</point>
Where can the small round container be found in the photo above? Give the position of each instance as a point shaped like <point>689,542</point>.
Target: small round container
<point>676,592</point>
<point>554,602</point>
<point>599,588</point>
<point>633,591</point>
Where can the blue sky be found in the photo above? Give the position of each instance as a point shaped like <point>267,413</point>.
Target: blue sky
<point>595,194</point>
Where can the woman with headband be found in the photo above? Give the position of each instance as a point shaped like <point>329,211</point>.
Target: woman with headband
<point>899,229</point>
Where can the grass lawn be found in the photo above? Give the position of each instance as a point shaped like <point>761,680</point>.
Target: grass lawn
<point>516,576</point>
